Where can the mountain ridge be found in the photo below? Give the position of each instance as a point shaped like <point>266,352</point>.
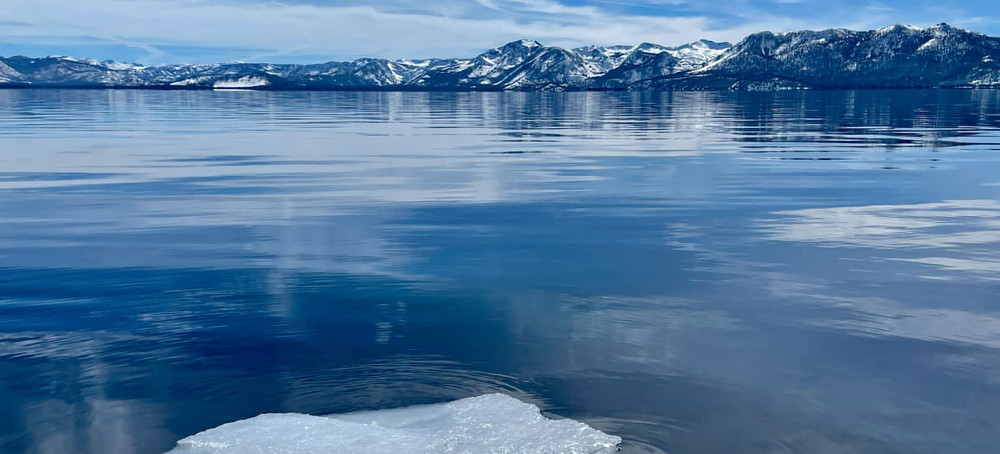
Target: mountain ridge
<point>897,56</point>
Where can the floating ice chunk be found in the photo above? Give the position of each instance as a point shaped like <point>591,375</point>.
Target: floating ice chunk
<point>492,423</point>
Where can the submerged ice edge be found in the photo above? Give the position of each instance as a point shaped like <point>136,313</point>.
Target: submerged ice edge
<point>491,423</point>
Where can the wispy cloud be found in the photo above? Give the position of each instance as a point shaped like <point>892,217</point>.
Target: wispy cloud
<point>231,30</point>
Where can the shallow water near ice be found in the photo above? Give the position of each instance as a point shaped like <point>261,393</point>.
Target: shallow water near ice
<point>812,272</point>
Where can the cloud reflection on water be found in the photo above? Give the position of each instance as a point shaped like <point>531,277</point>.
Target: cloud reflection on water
<point>964,235</point>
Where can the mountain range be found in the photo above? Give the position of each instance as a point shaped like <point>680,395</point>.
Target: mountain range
<point>898,56</point>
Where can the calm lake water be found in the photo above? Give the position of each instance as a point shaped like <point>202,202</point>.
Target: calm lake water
<point>810,272</point>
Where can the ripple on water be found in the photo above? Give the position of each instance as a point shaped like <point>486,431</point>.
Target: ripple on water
<point>402,380</point>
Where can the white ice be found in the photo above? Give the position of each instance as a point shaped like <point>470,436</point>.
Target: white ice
<point>243,82</point>
<point>488,424</point>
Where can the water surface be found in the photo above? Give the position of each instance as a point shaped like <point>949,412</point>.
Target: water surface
<point>813,272</point>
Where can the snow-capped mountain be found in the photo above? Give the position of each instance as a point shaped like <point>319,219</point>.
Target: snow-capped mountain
<point>892,57</point>
<point>67,71</point>
<point>519,65</point>
<point>899,56</point>
<point>528,65</point>
<point>647,61</point>
<point>8,74</point>
<point>600,60</point>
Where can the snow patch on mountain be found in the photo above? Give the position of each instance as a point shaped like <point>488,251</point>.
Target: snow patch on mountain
<point>242,82</point>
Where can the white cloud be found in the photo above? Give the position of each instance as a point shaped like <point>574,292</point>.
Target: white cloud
<point>277,29</point>
<point>392,28</point>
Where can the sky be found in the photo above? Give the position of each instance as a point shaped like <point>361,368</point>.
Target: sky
<point>308,31</point>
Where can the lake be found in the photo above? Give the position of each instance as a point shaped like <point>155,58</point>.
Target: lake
<point>791,272</point>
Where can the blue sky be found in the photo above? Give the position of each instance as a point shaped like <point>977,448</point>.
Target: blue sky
<point>198,31</point>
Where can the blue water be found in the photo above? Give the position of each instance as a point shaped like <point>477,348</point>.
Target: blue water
<point>812,272</point>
